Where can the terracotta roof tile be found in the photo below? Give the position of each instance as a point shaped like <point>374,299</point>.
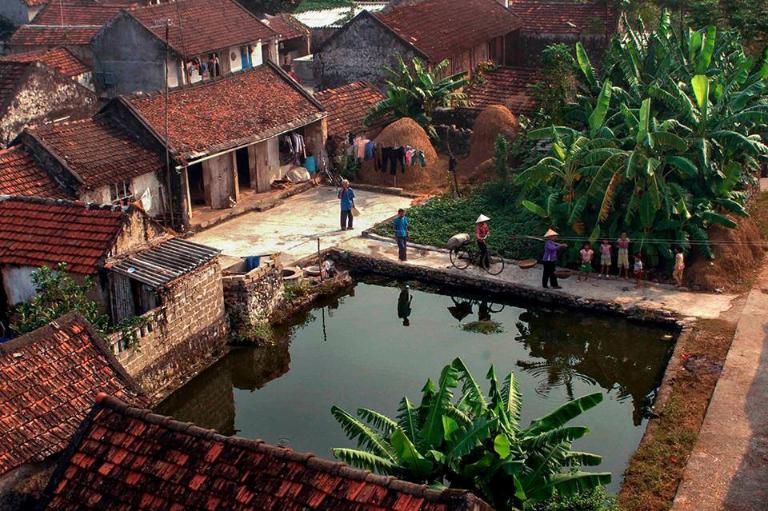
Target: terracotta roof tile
<point>98,150</point>
<point>561,17</point>
<point>44,232</point>
<point>49,379</point>
<point>59,59</point>
<point>20,174</point>
<point>348,105</point>
<point>508,86</point>
<point>219,114</point>
<point>217,473</point>
<point>286,26</point>
<point>199,26</point>
<point>35,35</point>
<point>441,29</point>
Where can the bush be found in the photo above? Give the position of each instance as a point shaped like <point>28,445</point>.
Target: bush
<point>596,500</point>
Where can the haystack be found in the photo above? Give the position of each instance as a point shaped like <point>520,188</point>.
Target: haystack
<point>407,132</point>
<point>493,121</point>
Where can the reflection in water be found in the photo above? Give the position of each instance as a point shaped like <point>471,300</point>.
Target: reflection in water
<point>348,351</point>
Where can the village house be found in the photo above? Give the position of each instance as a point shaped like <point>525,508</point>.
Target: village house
<point>139,270</point>
<point>512,87</point>
<point>20,12</point>
<point>31,92</point>
<point>60,59</point>
<point>204,40</point>
<point>465,32</point>
<point>162,463</point>
<point>347,107</point>
<point>21,174</point>
<point>323,23</point>
<point>230,137</point>
<point>67,23</point>
<point>49,379</point>
<point>293,38</point>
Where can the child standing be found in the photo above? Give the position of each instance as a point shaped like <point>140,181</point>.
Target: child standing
<point>623,262</point>
<point>585,269</point>
<point>677,273</point>
<point>605,258</point>
<point>638,268</point>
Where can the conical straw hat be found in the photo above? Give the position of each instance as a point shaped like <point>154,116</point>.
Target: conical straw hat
<point>482,218</point>
<point>550,233</point>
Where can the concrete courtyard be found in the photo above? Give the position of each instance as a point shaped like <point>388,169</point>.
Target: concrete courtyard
<point>294,226</point>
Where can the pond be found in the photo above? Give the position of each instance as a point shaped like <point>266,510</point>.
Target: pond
<point>359,350</point>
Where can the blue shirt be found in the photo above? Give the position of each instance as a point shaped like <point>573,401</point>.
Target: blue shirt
<point>401,227</point>
<point>346,197</point>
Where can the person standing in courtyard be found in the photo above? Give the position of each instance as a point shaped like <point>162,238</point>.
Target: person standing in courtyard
<point>482,231</point>
<point>605,259</point>
<point>586,253</point>
<point>551,248</point>
<point>347,199</point>
<point>677,273</point>
<point>638,270</point>
<point>623,260</point>
<point>401,234</point>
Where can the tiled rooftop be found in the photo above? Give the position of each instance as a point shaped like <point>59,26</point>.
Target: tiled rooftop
<point>98,150</point>
<point>347,106</point>
<point>59,59</point>
<point>286,26</point>
<point>129,458</point>
<point>199,26</point>
<point>49,379</point>
<point>44,232</point>
<point>562,17</point>
<point>20,174</point>
<point>507,86</point>
<point>443,28</point>
<point>220,114</point>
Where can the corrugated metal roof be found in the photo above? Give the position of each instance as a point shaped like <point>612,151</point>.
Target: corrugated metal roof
<point>165,262</point>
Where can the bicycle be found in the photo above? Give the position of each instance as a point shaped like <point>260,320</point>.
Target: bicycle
<point>466,254</point>
<point>331,178</point>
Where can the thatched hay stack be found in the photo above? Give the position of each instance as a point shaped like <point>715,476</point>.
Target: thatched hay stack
<point>404,132</point>
<point>493,121</point>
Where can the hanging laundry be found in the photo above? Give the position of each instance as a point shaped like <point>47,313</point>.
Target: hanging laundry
<point>360,144</point>
<point>370,149</point>
<point>397,158</point>
<point>409,156</point>
<point>422,159</point>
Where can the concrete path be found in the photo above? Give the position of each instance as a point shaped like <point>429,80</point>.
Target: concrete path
<point>622,292</point>
<point>728,468</point>
<point>293,227</point>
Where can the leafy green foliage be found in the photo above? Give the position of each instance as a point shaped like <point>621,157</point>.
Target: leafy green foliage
<point>663,140</point>
<point>415,90</point>
<point>474,441</point>
<point>557,88</point>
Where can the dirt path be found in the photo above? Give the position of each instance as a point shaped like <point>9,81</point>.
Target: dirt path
<point>622,292</point>
<point>727,469</point>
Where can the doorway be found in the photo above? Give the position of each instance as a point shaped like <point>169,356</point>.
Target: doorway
<point>243,168</point>
<point>196,185</point>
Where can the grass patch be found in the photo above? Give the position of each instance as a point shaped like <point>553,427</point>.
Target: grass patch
<point>656,468</point>
<point>434,222</point>
<point>485,327</point>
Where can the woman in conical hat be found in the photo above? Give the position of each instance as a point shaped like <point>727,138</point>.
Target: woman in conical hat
<point>551,248</point>
<point>482,231</point>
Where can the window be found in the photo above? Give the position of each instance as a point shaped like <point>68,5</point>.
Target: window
<point>120,192</point>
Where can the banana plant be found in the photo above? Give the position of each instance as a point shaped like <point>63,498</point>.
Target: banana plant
<point>473,440</point>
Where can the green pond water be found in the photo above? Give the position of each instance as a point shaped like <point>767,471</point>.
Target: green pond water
<point>356,351</point>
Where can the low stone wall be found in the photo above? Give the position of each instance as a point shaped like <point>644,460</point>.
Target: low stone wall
<point>445,277</point>
<point>183,336</point>
<point>250,298</point>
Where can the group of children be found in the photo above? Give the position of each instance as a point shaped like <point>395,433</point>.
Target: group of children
<point>606,247</point>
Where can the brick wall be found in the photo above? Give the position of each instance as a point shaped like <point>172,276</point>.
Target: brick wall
<point>186,334</point>
<point>250,298</point>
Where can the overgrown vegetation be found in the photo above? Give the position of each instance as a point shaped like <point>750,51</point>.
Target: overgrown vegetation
<point>57,294</point>
<point>416,90</point>
<point>660,143</point>
<point>476,442</point>
<point>483,326</point>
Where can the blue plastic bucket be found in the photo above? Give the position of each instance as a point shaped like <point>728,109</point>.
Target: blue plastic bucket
<point>310,164</point>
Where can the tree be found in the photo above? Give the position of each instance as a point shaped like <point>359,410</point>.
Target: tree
<point>57,294</point>
<point>475,442</point>
<point>415,90</point>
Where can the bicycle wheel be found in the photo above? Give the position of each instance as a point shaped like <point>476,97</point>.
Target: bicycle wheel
<point>496,264</point>
<point>495,308</point>
<point>460,258</point>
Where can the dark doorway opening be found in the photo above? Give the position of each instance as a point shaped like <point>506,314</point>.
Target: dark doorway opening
<point>243,171</point>
<point>196,186</point>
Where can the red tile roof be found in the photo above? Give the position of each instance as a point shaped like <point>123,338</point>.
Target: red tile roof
<point>200,26</point>
<point>348,105</point>
<point>44,232</point>
<point>286,26</point>
<point>507,86</point>
<point>441,29</point>
<point>59,59</point>
<point>49,379</point>
<point>69,23</point>
<point>563,18</point>
<point>98,150</point>
<point>221,114</point>
<point>20,174</point>
<point>129,458</point>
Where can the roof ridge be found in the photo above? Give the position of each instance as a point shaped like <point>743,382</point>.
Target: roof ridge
<point>104,400</point>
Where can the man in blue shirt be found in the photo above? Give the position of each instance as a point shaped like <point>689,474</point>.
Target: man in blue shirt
<point>401,233</point>
<point>347,198</point>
